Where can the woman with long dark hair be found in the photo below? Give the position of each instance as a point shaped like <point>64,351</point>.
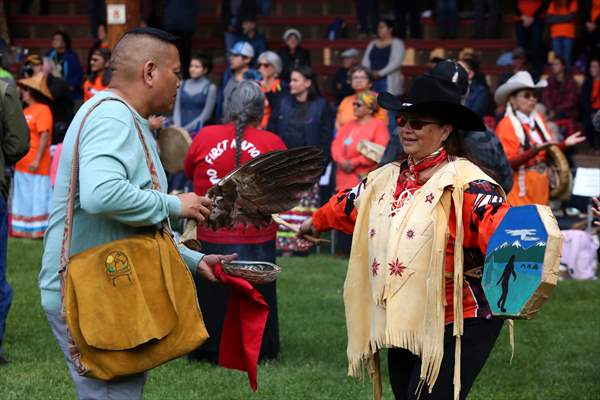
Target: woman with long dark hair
<point>421,227</point>
<point>99,73</point>
<point>303,118</point>
<point>216,151</point>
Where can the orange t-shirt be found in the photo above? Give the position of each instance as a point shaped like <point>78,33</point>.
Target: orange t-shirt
<point>91,88</point>
<point>345,112</point>
<point>566,29</point>
<point>39,120</point>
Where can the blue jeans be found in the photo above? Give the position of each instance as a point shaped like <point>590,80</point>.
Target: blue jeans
<point>6,292</point>
<point>563,47</point>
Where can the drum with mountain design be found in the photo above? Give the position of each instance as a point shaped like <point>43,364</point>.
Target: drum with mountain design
<point>522,261</point>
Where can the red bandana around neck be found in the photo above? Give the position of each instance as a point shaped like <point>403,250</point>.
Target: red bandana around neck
<point>409,178</point>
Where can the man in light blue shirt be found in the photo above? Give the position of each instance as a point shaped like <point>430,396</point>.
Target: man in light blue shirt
<point>115,199</point>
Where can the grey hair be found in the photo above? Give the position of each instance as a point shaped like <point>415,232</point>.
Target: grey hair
<point>272,58</point>
<point>246,105</point>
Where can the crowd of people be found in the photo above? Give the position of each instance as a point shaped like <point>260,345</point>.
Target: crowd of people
<point>271,99</point>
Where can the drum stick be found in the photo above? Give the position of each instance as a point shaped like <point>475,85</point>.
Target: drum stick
<point>296,229</point>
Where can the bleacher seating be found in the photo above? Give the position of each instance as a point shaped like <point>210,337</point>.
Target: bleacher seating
<point>312,17</point>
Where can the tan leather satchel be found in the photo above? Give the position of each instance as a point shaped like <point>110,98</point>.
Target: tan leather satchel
<point>130,304</point>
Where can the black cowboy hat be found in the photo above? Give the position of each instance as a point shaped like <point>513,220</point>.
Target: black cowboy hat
<point>436,97</point>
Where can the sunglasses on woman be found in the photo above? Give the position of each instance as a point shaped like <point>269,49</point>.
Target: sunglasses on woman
<point>263,65</point>
<point>416,124</point>
<point>357,105</point>
<point>528,95</point>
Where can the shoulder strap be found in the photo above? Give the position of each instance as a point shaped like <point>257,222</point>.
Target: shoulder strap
<point>65,253</point>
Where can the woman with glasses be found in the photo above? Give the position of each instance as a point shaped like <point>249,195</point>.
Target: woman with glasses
<point>361,81</point>
<point>525,137</point>
<point>269,65</point>
<point>352,166</point>
<point>421,227</point>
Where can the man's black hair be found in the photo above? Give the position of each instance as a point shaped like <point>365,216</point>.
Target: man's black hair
<point>156,33</point>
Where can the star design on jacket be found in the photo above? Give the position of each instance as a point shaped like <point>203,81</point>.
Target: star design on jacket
<point>372,233</point>
<point>410,233</point>
<point>396,268</point>
<point>429,198</point>
<point>375,267</point>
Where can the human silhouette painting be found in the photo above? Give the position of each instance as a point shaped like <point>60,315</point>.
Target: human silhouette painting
<point>509,270</point>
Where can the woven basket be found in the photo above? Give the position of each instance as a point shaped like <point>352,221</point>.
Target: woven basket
<point>256,272</point>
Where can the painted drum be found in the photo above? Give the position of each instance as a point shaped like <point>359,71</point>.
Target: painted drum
<point>522,262</point>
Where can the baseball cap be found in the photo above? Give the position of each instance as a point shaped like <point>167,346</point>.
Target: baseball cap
<point>242,49</point>
<point>350,53</point>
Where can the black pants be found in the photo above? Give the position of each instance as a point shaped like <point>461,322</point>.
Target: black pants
<point>476,345</point>
<point>412,10</point>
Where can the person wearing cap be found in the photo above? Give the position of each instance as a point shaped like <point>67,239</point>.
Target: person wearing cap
<point>399,294</point>
<point>340,84</point>
<point>361,81</point>
<point>292,54</point>
<point>251,35</point>
<point>31,188</point>
<point>269,65</point>
<point>524,136</point>
<point>14,141</point>
<point>240,58</point>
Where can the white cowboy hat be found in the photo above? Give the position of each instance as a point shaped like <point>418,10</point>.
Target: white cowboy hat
<point>520,80</point>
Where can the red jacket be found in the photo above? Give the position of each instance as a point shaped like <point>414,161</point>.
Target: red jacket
<point>212,156</point>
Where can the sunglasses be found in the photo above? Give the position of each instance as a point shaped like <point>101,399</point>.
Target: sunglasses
<point>528,95</point>
<point>416,124</point>
<point>259,65</point>
<point>357,105</point>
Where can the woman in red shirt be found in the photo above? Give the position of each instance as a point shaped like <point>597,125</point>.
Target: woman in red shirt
<point>216,151</point>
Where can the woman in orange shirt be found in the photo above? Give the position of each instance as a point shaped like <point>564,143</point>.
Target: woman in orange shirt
<point>562,19</point>
<point>351,166</point>
<point>31,187</point>
<point>361,80</point>
<point>99,73</point>
<point>524,137</point>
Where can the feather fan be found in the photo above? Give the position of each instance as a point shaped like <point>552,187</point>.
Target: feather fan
<point>268,184</point>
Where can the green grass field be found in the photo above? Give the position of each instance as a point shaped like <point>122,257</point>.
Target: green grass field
<point>557,355</point>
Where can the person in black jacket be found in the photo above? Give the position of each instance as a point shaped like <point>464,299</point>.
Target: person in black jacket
<point>292,55</point>
<point>303,118</point>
